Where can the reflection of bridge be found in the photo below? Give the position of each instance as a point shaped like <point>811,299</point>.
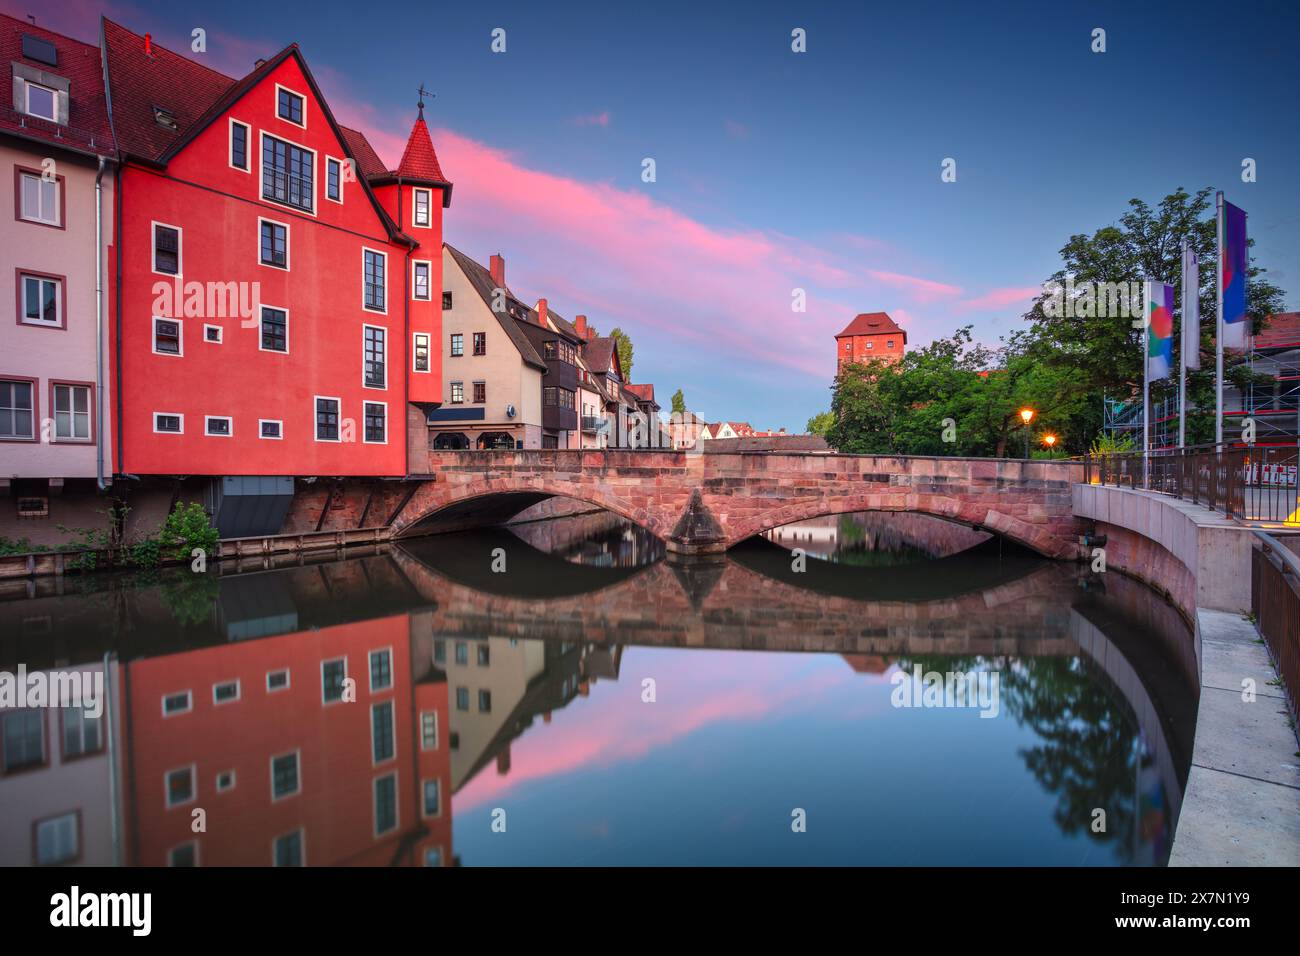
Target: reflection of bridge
<point>707,503</point>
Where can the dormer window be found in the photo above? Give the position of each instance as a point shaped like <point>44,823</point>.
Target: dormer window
<point>41,102</point>
<point>164,117</point>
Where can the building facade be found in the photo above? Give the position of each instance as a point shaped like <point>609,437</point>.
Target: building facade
<point>871,336</point>
<point>57,152</point>
<point>277,300</point>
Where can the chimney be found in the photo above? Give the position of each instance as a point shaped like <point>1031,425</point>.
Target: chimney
<point>541,312</point>
<point>503,761</point>
<point>497,266</point>
<point>148,45</point>
<point>580,323</point>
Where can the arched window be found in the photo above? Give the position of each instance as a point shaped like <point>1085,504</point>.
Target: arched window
<point>451,441</point>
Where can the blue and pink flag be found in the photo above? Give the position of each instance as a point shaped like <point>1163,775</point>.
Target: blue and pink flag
<point>1232,275</point>
<point>1160,329</point>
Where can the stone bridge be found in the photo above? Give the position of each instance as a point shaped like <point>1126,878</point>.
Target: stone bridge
<point>704,503</point>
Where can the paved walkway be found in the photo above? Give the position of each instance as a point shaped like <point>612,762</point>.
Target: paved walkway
<point>1242,803</point>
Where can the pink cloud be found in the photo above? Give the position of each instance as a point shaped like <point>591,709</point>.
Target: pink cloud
<point>1002,298</point>
<point>923,290</point>
<point>595,119</point>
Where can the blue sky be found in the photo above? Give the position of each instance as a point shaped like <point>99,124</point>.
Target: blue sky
<point>778,170</point>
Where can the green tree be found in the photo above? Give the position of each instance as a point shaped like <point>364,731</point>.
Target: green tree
<point>624,346</point>
<point>679,403</point>
<point>820,424</point>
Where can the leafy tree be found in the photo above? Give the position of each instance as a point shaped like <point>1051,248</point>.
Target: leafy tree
<point>679,403</point>
<point>820,424</point>
<point>624,346</point>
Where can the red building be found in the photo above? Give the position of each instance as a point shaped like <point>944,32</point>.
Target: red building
<point>871,336</point>
<point>277,290</point>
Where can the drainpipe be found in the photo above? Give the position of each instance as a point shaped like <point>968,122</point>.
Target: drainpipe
<point>406,338</point>
<point>99,325</point>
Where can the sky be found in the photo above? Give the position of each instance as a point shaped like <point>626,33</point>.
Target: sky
<point>776,170</point>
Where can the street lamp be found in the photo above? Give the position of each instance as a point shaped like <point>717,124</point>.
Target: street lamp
<point>1049,440</point>
<point>1026,416</point>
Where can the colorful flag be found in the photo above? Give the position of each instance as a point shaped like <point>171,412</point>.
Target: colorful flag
<point>1191,308</point>
<point>1160,328</point>
<point>1232,276</point>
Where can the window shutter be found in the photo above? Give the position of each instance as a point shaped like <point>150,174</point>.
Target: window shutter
<point>20,94</point>
<point>61,107</point>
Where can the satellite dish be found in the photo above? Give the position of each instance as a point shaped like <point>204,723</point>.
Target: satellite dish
<point>510,411</point>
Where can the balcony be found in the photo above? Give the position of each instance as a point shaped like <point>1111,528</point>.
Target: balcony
<point>594,423</point>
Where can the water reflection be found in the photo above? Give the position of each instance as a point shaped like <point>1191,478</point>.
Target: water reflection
<point>379,710</point>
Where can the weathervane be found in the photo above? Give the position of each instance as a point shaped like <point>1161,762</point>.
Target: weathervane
<point>423,93</point>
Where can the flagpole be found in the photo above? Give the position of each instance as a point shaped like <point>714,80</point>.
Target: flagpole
<point>1182,359</point>
<point>1218,322</point>
<point>1146,386</point>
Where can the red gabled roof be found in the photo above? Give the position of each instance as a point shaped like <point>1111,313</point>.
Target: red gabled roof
<point>368,161</point>
<point>1281,330</point>
<point>139,81</point>
<point>644,392</point>
<point>872,323</point>
<point>88,128</point>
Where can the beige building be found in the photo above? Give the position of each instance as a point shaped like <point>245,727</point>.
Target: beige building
<point>492,374</point>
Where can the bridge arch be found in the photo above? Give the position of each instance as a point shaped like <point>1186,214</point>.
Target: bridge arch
<point>971,514</point>
<point>495,502</point>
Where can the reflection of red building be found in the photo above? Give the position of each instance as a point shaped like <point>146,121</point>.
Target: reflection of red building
<point>262,737</point>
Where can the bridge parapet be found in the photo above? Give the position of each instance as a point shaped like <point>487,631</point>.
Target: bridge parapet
<point>743,494</point>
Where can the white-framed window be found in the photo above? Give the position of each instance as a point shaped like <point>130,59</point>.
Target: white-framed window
<point>290,106</point>
<point>270,428</point>
<point>225,781</point>
<point>168,423</point>
<point>386,816</point>
<point>290,849</point>
<point>42,300</point>
<point>431,798</point>
<point>213,334</point>
<point>73,419</point>
<point>218,426</point>
<point>58,839</point>
<point>381,669</point>
<point>374,352</point>
<point>225,692</point>
<point>327,418</point>
<point>40,198</point>
<point>181,702</point>
<point>42,102</point>
<point>334,179</point>
<point>288,173</point>
<point>286,778</point>
<point>274,333</point>
<point>421,274</point>
<point>178,786</point>
<point>422,208</point>
<point>376,423</point>
<point>241,136</point>
<point>168,336</point>
<point>272,243</point>
<point>457,393</point>
<point>165,248</point>
<point>428,730</point>
<point>420,352</point>
<point>374,281</point>
<point>383,734</point>
<point>277,680</point>
<point>333,673</point>
<point>186,854</point>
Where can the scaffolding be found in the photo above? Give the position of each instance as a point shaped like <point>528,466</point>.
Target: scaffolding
<point>1273,406</point>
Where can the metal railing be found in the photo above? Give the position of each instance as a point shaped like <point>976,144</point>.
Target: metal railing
<point>1275,602</point>
<point>1252,483</point>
